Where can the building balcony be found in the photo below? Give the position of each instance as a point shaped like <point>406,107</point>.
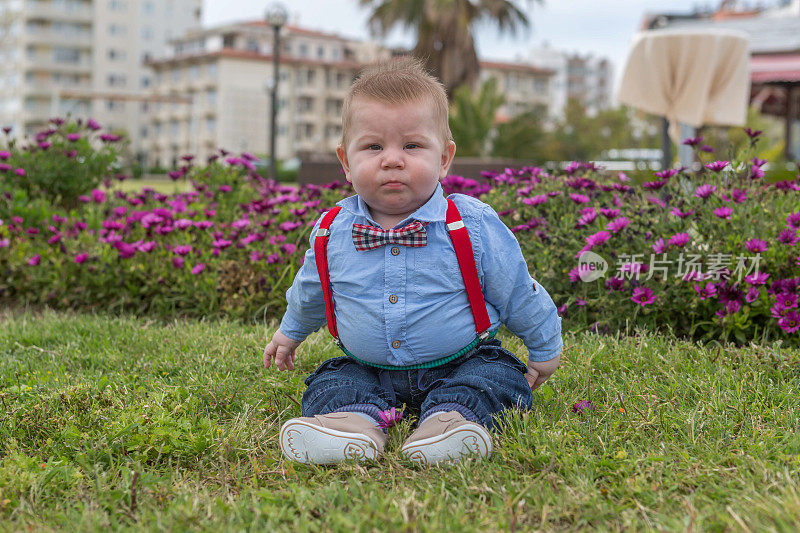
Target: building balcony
<point>72,12</point>
<point>48,63</point>
<point>55,38</point>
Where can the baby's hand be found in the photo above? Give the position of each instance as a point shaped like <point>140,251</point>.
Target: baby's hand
<point>539,371</point>
<point>281,348</point>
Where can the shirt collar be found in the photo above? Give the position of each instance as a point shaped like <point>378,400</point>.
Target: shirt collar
<point>434,210</point>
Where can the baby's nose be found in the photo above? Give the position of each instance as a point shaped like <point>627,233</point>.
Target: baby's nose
<point>392,158</point>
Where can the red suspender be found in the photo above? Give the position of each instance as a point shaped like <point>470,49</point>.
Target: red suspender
<point>321,258</point>
<point>466,262</point>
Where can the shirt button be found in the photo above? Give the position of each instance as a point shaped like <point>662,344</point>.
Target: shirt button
<point>395,344</point>
<point>393,298</point>
<point>395,250</point>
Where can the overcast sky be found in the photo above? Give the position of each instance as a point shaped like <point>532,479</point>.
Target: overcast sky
<point>602,27</point>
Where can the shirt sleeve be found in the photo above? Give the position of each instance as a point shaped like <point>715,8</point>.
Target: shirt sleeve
<point>305,305</point>
<point>525,307</point>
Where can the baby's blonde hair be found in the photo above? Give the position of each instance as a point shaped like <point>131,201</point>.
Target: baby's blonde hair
<point>398,81</point>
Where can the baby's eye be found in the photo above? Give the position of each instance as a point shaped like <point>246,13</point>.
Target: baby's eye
<point>412,145</point>
<point>374,147</point>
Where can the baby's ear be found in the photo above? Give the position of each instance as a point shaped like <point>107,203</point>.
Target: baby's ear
<point>342,155</point>
<point>448,154</point>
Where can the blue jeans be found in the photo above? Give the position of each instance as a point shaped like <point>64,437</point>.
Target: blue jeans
<point>479,385</point>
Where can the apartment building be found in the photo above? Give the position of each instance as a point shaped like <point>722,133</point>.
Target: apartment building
<point>227,71</point>
<point>524,86</point>
<point>84,58</point>
<point>582,77</point>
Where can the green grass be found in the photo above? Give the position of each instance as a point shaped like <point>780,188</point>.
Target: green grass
<point>164,185</point>
<point>126,424</point>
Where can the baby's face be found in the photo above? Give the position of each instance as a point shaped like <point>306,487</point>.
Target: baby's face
<point>394,157</point>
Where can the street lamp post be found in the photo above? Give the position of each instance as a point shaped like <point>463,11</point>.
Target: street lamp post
<point>276,17</point>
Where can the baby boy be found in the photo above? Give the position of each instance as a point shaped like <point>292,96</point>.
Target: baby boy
<point>413,287</point>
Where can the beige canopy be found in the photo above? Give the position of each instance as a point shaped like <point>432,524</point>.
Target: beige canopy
<point>694,77</point>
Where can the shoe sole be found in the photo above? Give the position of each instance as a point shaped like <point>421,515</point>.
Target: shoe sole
<point>464,440</point>
<point>307,443</point>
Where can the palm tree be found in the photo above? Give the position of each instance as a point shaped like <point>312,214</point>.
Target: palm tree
<point>444,31</point>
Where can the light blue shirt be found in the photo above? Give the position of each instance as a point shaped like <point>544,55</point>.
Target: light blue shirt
<point>417,297</point>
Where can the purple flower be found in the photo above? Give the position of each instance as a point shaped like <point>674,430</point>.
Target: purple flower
<point>390,417</point>
<point>80,258</point>
<point>109,138</point>
<point>657,201</point>
<point>535,200</point>
<point>289,226</point>
<point>583,406</point>
<point>175,175</point>
<point>44,145</point>
<point>752,133</point>
<point>756,246</point>
<point>199,267</point>
<point>679,240</point>
<point>723,212</point>
<point>98,196</point>
<point>288,249</point>
<point>678,213</point>
<point>4,155</point>
<point>756,173</point>
<point>790,322</point>
<point>19,171</point>
<point>35,260</point>
<point>614,283</point>
<point>787,300</point>
<point>221,244</point>
<point>587,218</point>
<point>618,224</point>
<point>182,250</point>
<point>597,239</point>
<point>706,148</point>
<point>5,243</point>
<point>704,191</point>
<point>752,295</point>
<point>125,250</point>
<point>666,174</point>
<point>654,185</point>
<point>72,137</point>
<point>643,296</point>
<point>759,278</point>
<point>178,262</point>
<point>708,291</point>
<point>224,188</point>
<point>609,213</point>
<point>793,221</point>
<point>578,198</point>
<point>788,236</point>
<point>692,141</point>
<point>739,196</point>
<point>659,247</point>
<point>733,306</point>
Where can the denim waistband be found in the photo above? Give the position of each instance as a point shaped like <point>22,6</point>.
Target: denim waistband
<point>430,364</point>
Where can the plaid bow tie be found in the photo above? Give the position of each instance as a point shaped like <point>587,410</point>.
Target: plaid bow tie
<point>369,237</point>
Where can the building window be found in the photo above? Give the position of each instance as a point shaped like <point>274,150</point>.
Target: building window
<point>302,50</point>
<point>143,133</point>
<point>117,5</point>
<point>304,103</point>
<point>116,55</point>
<point>252,45</point>
<point>194,72</point>
<point>176,74</point>
<point>211,70</point>
<point>145,81</point>
<point>211,124</point>
<point>211,97</point>
<point>66,55</point>
<point>116,80</point>
<point>147,33</point>
<point>117,30</point>
<point>320,51</point>
<point>147,8</point>
<point>113,105</point>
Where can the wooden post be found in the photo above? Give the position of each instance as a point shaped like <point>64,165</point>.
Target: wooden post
<point>791,116</point>
<point>666,145</point>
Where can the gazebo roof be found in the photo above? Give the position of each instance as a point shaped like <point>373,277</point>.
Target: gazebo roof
<point>775,68</point>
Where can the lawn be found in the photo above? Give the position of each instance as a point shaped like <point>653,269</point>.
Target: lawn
<point>127,424</point>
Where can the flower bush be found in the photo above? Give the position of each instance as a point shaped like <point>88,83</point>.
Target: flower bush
<point>707,253</point>
<point>60,164</point>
